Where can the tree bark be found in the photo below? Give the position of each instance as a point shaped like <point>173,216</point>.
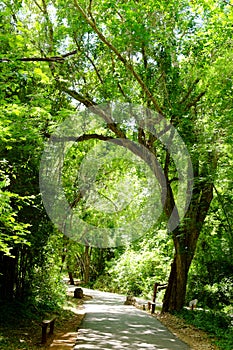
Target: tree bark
<point>87,258</point>
<point>174,298</point>
<point>70,274</point>
<point>185,238</point>
<point>7,277</point>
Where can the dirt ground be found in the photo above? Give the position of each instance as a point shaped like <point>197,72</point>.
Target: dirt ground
<point>65,335</point>
<point>195,338</point>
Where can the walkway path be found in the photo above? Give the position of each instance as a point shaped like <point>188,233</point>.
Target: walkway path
<point>109,324</point>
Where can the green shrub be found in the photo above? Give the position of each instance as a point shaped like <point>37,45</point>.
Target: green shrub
<point>218,324</point>
<point>214,296</point>
<point>134,273</point>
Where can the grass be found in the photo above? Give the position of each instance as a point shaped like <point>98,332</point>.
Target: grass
<point>217,324</point>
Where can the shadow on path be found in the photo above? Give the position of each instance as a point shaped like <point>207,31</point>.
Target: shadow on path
<point>109,324</point>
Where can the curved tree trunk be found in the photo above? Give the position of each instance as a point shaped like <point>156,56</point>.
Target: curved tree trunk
<point>174,298</point>
<point>185,238</point>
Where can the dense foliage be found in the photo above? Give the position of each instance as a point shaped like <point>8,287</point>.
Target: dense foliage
<point>218,325</point>
<point>175,59</point>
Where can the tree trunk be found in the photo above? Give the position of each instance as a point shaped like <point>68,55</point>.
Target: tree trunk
<point>7,277</point>
<point>70,274</point>
<point>174,298</point>
<point>185,241</point>
<point>186,235</point>
<point>87,258</point>
<point>20,280</point>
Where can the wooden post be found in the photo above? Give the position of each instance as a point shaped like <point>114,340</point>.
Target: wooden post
<point>44,326</point>
<point>157,287</point>
<point>44,333</point>
<point>153,308</point>
<point>155,291</point>
<point>52,326</point>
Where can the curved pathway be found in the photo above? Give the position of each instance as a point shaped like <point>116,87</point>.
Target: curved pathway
<point>109,324</point>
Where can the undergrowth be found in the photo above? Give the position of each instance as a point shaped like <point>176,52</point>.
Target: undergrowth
<point>217,324</point>
<point>20,324</point>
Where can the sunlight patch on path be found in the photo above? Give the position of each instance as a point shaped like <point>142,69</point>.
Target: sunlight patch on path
<point>109,324</point>
<point>64,341</point>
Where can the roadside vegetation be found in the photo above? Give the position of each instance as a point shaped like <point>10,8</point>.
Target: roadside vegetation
<point>218,325</point>
<point>124,172</point>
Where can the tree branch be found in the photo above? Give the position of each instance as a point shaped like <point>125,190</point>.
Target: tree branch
<point>59,59</point>
<point>220,200</point>
<point>191,88</point>
<point>40,8</point>
<point>118,83</point>
<point>84,100</point>
<point>228,3</point>
<point>125,61</point>
<point>84,137</point>
<point>195,101</point>
<point>89,59</point>
<point>109,199</point>
<point>141,136</point>
<point>69,53</point>
<point>206,187</point>
<point>104,113</point>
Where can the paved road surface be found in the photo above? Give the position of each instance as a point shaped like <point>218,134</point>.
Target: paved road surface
<point>109,324</point>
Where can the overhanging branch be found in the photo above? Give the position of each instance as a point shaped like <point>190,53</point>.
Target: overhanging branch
<point>59,59</point>
<point>84,137</point>
<point>104,113</point>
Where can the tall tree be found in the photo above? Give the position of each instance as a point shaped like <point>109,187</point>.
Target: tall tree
<point>162,56</point>
<point>24,115</point>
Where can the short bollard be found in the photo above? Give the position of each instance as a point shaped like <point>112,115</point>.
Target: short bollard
<point>44,326</point>
<point>151,306</point>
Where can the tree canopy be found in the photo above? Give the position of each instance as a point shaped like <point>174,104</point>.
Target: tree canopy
<point>174,60</point>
